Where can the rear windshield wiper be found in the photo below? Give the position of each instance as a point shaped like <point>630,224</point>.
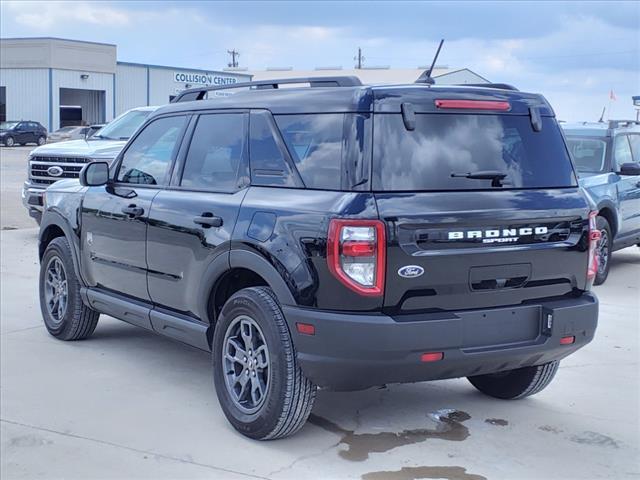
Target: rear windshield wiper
<point>493,175</point>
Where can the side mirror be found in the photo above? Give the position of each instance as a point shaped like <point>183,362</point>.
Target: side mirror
<point>94,174</point>
<point>629,168</point>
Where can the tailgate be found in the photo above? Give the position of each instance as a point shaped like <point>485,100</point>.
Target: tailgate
<point>463,250</point>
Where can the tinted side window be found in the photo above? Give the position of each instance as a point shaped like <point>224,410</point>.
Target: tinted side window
<point>215,153</point>
<point>268,165</point>
<point>634,140</point>
<point>621,150</point>
<point>315,143</point>
<point>148,159</point>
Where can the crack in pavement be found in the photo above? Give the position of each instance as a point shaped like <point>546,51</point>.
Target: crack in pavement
<point>303,458</point>
<point>132,449</point>
<point>21,330</point>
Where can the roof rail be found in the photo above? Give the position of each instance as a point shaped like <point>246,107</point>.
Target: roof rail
<point>501,86</point>
<point>623,123</point>
<point>199,93</point>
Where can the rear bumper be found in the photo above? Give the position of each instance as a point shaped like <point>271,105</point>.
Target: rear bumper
<point>356,351</point>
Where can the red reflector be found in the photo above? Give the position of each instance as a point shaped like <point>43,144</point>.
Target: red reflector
<point>594,235</point>
<point>567,340</point>
<point>359,249</point>
<point>474,104</point>
<point>306,328</point>
<point>431,357</point>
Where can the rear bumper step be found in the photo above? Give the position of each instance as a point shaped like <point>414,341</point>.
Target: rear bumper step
<point>356,351</point>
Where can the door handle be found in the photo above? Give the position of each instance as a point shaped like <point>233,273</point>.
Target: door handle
<point>133,211</point>
<point>208,219</point>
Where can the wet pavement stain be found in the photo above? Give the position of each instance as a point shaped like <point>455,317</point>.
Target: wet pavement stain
<point>595,438</point>
<point>497,421</point>
<point>414,473</point>
<point>448,427</point>
<point>550,428</point>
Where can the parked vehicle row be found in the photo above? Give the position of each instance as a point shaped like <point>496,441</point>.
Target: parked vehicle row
<point>50,163</point>
<point>22,133</point>
<point>607,158</point>
<point>74,133</point>
<point>338,236</point>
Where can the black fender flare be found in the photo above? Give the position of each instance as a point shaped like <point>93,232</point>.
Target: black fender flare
<point>53,218</point>
<point>609,205</point>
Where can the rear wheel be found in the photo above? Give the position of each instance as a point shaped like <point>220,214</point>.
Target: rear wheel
<point>65,315</point>
<point>603,249</point>
<point>514,384</point>
<point>261,389</point>
<point>41,140</point>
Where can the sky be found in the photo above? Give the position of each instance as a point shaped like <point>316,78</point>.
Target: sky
<point>575,53</point>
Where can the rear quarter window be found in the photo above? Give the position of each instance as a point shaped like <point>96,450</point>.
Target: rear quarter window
<point>443,145</point>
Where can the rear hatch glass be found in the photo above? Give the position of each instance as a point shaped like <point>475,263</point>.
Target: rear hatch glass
<point>444,148</point>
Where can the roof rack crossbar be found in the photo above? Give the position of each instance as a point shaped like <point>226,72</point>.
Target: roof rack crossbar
<point>199,93</point>
<point>501,86</point>
<point>623,123</point>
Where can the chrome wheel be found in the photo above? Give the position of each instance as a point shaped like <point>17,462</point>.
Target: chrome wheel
<point>56,291</point>
<point>603,251</point>
<point>245,358</point>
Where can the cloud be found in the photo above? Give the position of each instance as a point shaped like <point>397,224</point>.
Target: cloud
<point>45,15</point>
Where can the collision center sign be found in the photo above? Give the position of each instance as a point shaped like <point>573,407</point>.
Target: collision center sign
<point>202,78</point>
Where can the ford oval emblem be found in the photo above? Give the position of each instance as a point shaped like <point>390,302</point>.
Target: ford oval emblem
<point>411,271</point>
<point>55,171</point>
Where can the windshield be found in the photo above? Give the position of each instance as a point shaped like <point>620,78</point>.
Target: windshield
<point>124,126</point>
<point>588,153</point>
<point>7,125</point>
<point>468,152</point>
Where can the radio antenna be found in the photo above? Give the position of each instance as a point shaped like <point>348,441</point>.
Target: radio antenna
<point>426,75</point>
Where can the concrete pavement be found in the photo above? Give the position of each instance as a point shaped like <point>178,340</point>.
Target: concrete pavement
<point>130,404</point>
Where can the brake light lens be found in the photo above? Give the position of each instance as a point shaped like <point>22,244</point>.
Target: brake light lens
<point>594,237</point>
<point>474,104</point>
<point>356,254</point>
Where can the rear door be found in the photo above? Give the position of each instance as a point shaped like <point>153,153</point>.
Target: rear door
<point>191,222</point>
<point>458,242</point>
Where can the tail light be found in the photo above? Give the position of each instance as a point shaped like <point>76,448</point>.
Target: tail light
<point>594,237</point>
<point>473,104</point>
<point>356,254</point>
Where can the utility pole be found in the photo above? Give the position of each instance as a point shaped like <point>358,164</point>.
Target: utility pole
<point>359,58</point>
<point>234,55</point>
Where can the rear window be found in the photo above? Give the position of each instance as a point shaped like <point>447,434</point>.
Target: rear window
<point>588,153</point>
<point>445,147</point>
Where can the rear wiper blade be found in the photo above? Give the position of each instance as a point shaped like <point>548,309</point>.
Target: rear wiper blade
<point>495,176</point>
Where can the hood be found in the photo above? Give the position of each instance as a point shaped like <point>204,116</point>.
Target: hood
<point>67,185</point>
<point>95,149</point>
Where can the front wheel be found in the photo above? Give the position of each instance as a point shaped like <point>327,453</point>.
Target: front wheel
<point>603,250</point>
<point>9,142</point>
<point>65,315</point>
<point>514,384</point>
<point>261,389</point>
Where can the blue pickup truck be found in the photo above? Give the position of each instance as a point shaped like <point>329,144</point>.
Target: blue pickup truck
<point>607,158</point>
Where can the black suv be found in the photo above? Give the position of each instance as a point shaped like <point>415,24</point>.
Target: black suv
<point>335,235</point>
<point>21,133</point>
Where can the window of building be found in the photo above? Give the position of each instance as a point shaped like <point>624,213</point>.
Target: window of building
<point>148,159</point>
<point>215,153</point>
<point>3,104</point>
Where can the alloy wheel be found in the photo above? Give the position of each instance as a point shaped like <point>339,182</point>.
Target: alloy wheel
<point>245,358</point>
<point>603,251</point>
<point>56,290</point>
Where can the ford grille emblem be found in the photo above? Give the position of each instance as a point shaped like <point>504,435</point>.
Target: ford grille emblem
<point>411,271</point>
<point>55,171</point>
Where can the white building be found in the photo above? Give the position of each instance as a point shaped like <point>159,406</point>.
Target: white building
<point>372,75</point>
<point>56,81</point>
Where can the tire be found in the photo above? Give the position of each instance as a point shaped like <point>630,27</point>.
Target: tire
<point>288,395</point>
<point>9,142</point>
<point>515,384</point>
<point>604,250</point>
<point>41,140</point>
<point>73,320</point>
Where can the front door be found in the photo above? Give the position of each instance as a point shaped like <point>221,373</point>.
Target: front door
<point>191,222</point>
<point>628,185</point>
<point>115,216</point>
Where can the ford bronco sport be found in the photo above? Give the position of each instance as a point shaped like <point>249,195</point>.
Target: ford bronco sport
<point>333,235</point>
